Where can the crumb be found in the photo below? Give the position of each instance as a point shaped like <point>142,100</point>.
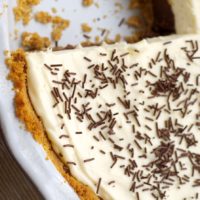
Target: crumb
<point>113,41</point>
<point>43,17</point>
<point>87,3</point>
<point>23,10</point>
<point>117,38</point>
<point>56,34</point>
<point>133,38</point>
<point>97,39</point>
<point>109,41</point>
<point>6,53</point>
<point>53,10</point>
<point>88,43</point>
<point>134,21</point>
<point>86,28</point>
<point>33,41</point>
<point>59,24</point>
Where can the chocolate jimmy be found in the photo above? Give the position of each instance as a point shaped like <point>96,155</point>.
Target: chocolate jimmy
<point>121,22</point>
<point>118,147</point>
<point>132,189</point>
<point>47,66</point>
<point>101,151</point>
<point>62,126</point>
<point>75,108</point>
<point>79,132</point>
<point>71,163</point>
<point>197,80</point>
<point>63,136</point>
<point>89,60</point>
<point>88,160</point>
<point>166,43</point>
<point>57,82</point>
<point>56,65</point>
<point>84,80</point>
<point>103,32</point>
<point>111,182</point>
<point>54,73</point>
<point>68,145</point>
<point>102,54</point>
<point>86,36</point>
<point>158,56</point>
<point>60,116</point>
<point>113,55</point>
<point>96,138</point>
<point>98,185</point>
<point>57,93</point>
<point>55,96</point>
<point>137,195</point>
<point>138,145</point>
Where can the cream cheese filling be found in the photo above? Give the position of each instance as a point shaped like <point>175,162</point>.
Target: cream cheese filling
<point>186,14</point>
<point>114,109</point>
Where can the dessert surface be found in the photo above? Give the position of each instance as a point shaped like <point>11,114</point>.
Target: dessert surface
<point>124,118</point>
<point>186,16</point>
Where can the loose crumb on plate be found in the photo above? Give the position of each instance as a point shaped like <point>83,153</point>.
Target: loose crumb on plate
<point>33,41</point>
<point>134,21</point>
<point>134,37</point>
<point>53,10</point>
<point>23,10</point>
<point>86,28</point>
<point>58,23</point>
<point>43,17</point>
<point>87,2</point>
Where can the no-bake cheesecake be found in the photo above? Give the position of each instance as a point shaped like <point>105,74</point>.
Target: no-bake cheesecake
<point>124,118</point>
<point>119,121</point>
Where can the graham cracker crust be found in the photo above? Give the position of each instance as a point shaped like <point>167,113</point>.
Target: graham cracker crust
<point>25,112</point>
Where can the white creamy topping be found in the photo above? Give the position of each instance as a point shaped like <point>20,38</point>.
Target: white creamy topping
<point>187,15</point>
<point>125,117</point>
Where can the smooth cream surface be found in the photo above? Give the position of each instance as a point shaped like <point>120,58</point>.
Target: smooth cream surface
<point>186,15</point>
<point>145,58</point>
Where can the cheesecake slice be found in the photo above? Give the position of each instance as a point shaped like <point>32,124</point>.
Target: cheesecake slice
<point>123,118</point>
<point>186,15</point>
<point>170,16</point>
